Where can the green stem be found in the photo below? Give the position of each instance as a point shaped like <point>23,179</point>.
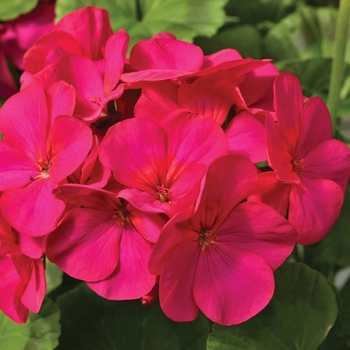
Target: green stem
<point>338,64</point>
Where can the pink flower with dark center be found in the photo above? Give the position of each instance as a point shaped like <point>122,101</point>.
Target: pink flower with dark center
<point>219,258</point>
<point>311,170</point>
<point>42,145</point>
<point>107,243</point>
<point>162,166</point>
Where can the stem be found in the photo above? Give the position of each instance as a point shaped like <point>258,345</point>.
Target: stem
<point>338,63</point>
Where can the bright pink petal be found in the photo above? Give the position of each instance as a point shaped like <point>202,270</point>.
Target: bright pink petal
<point>93,30</point>
<point>228,182</point>
<point>280,160</point>
<point>16,168</point>
<point>35,290</point>
<point>175,285</point>
<point>115,54</point>
<point>34,58</point>
<point>167,54</point>
<point>137,161</point>
<point>86,196</point>
<point>24,122</point>
<point>86,244</point>
<point>177,230</point>
<point>271,192</point>
<point>257,228</point>
<point>328,160</point>
<point>246,137</point>
<point>315,126</point>
<point>210,96</point>
<point>131,279</point>
<point>11,287</point>
<point>314,213</point>
<point>221,56</point>
<point>71,142</point>
<point>231,285</point>
<point>288,105</point>
<point>60,99</point>
<point>156,100</point>
<point>33,210</point>
<point>193,140</point>
<point>82,73</point>
<point>32,247</point>
<point>258,83</point>
<point>147,225</point>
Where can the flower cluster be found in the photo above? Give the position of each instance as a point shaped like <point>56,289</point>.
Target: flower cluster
<point>138,175</point>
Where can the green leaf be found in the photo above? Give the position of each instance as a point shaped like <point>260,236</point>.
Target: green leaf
<point>54,276</point>
<point>257,11</point>
<point>245,39</point>
<point>12,9</point>
<point>334,249</point>
<point>91,322</point>
<point>41,332</point>
<point>299,316</point>
<point>184,18</point>
<point>306,33</point>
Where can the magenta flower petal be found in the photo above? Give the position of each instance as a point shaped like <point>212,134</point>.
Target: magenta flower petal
<point>215,204</point>
<point>315,127</point>
<point>11,287</point>
<point>175,284</point>
<point>167,54</point>
<point>288,105</point>
<point>34,58</point>
<point>71,142</point>
<point>93,31</point>
<point>211,96</point>
<point>21,207</point>
<point>329,160</point>
<point>271,192</point>
<point>16,168</point>
<point>157,100</point>
<point>35,290</point>
<point>131,279</point>
<point>86,244</point>
<point>232,285</point>
<point>246,137</point>
<point>315,212</point>
<point>24,122</point>
<point>61,99</point>
<point>248,227</point>
<point>115,54</point>
<point>136,161</point>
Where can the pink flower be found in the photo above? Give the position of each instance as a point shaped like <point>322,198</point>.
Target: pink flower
<point>311,170</point>
<point>164,57</point>
<point>162,165</point>
<point>23,284</point>
<point>220,257</point>
<point>107,243</point>
<point>42,145</point>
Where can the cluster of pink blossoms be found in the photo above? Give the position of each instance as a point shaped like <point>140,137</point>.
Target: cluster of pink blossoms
<point>137,175</point>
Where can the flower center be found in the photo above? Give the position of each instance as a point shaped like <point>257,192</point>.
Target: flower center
<point>163,193</point>
<point>298,166</point>
<point>207,239</point>
<point>121,216</point>
<point>96,100</point>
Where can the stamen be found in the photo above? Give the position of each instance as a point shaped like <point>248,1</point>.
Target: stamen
<point>207,239</point>
<point>298,166</point>
<point>163,193</point>
<point>121,216</point>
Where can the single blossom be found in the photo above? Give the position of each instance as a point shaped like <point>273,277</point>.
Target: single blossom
<point>106,243</point>
<point>310,169</point>
<point>42,145</point>
<point>220,257</point>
